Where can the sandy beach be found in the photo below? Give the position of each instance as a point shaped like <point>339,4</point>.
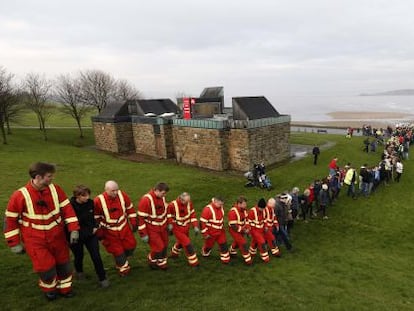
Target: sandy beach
<point>357,119</point>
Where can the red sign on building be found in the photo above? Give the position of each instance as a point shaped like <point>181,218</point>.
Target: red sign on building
<point>187,101</point>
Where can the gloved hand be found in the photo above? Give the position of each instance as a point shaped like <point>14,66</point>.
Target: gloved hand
<point>145,239</point>
<point>196,230</point>
<point>18,249</point>
<point>74,237</point>
<point>170,227</point>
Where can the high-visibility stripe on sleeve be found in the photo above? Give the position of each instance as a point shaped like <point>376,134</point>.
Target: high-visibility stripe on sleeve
<point>64,203</point>
<point>12,214</point>
<point>70,220</point>
<point>204,230</point>
<point>142,214</point>
<point>203,219</point>
<point>12,233</point>
<point>142,227</point>
<point>130,206</point>
<point>133,215</point>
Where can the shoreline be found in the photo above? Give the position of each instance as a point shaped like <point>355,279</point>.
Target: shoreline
<point>357,119</point>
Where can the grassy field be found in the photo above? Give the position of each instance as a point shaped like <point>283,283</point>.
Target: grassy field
<point>359,259</point>
<point>57,119</point>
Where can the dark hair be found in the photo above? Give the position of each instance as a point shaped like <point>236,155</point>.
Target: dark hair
<point>81,190</point>
<point>241,199</point>
<point>162,186</point>
<point>41,168</point>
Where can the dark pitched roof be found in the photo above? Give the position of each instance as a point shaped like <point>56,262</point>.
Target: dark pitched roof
<point>212,92</point>
<point>252,108</point>
<point>156,106</point>
<point>115,110</point>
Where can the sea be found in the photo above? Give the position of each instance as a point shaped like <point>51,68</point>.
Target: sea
<point>315,108</point>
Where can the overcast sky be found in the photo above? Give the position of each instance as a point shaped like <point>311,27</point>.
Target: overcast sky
<point>257,47</point>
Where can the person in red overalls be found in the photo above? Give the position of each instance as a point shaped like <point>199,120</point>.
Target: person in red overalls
<point>180,215</point>
<point>152,225</point>
<point>212,229</point>
<point>271,224</point>
<point>239,228</point>
<point>256,218</point>
<point>117,220</point>
<point>37,215</point>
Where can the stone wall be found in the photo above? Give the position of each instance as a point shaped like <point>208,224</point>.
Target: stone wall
<point>217,149</point>
<point>153,143</point>
<point>269,144</point>
<point>113,137</point>
<point>201,147</point>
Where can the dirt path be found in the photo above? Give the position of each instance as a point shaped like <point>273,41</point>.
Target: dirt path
<point>298,152</point>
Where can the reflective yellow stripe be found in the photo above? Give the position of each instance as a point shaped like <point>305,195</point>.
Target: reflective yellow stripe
<point>12,214</point>
<point>65,283</point>
<point>28,200</point>
<point>142,227</point>
<point>108,218</point>
<point>70,220</point>
<point>46,285</point>
<point>43,227</point>
<point>177,212</point>
<point>115,228</point>
<point>55,197</point>
<point>12,233</point>
<point>154,211</point>
<point>41,216</point>
<point>133,215</point>
<point>64,203</point>
<point>142,214</point>
<point>156,223</point>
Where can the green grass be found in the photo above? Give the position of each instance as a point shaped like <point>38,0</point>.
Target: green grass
<point>57,119</point>
<point>360,259</point>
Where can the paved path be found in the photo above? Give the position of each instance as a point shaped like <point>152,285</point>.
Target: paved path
<point>298,152</point>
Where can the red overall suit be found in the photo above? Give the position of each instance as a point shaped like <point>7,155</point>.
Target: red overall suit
<point>38,219</point>
<point>257,222</point>
<point>180,216</point>
<point>270,224</point>
<point>238,227</point>
<point>113,215</point>
<point>212,229</point>
<point>152,222</point>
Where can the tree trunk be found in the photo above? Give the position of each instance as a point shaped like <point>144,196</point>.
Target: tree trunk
<point>3,133</point>
<point>78,121</point>
<point>9,132</point>
<point>43,127</point>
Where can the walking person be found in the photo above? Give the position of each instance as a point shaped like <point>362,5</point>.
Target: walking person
<point>316,152</point>
<point>38,215</point>
<point>399,167</point>
<point>84,209</point>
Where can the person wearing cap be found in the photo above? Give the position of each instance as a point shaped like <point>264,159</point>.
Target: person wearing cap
<point>271,225</point>
<point>239,228</point>
<point>257,220</point>
<point>212,229</point>
<point>181,216</point>
<point>282,210</point>
<point>324,200</point>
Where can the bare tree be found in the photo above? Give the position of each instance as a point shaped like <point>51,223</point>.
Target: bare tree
<point>5,93</point>
<point>126,91</point>
<point>14,108</point>
<point>38,89</point>
<point>68,92</point>
<point>98,88</point>
<point>11,106</point>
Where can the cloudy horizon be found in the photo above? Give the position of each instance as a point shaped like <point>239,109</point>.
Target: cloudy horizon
<point>271,48</point>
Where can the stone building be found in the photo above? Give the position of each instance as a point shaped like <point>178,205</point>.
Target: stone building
<point>254,132</point>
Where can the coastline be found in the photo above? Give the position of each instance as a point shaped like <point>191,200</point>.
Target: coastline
<point>357,119</point>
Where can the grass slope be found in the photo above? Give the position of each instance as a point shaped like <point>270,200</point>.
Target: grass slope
<point>360,259</point>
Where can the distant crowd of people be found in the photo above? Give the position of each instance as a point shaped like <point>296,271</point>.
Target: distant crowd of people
<point>325,191</point>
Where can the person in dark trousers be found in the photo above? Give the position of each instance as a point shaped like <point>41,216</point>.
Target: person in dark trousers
<point>283,214</point>
<point>316,152</point>
<point>324,200</point>
<point>84,209</point>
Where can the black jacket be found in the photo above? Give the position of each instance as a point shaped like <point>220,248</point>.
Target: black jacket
<point>85,214</point>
